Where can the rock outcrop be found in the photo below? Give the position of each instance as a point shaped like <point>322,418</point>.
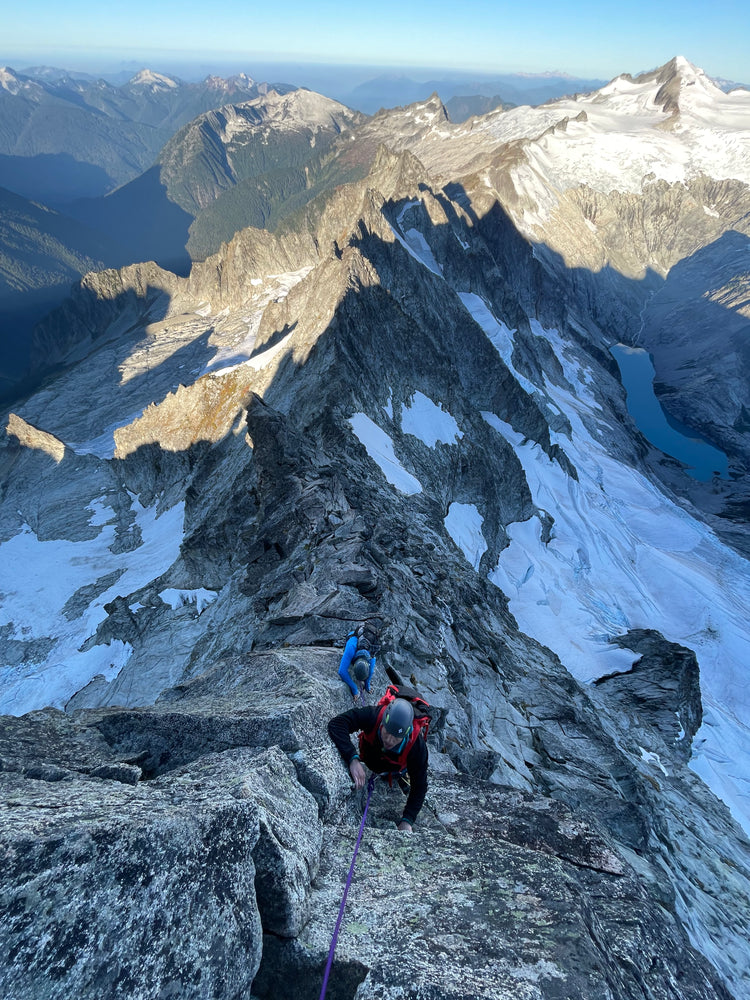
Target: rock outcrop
<point>199,846</point>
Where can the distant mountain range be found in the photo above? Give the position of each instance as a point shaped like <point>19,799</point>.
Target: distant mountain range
<point>62,137</point>
<point>190,164</point>
<point>389,90</point>
<point>66,138</point>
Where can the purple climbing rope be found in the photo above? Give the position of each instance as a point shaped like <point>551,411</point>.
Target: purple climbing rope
<point>337,928</point>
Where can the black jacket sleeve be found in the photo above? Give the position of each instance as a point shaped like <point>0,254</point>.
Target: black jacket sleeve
<point>416,766</point>
<point>342,726</point>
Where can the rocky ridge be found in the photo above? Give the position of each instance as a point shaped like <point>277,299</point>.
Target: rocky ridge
<point>219,824</point>
<point>217,149</point>
<point>566,849</point>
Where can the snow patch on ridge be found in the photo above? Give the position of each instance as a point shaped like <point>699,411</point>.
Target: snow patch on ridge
<point>413,241</point>
<point>429,422</point>
<point>500,335</point>
<point>463,522</point>
<point>380,449</point>
<point>41,577</point>
<point>240,349</point>
<point>649,757</point>
<point>201,598</point>
<point>104,444</point>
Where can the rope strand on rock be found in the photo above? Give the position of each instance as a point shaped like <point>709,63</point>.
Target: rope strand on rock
<point>334,940</point>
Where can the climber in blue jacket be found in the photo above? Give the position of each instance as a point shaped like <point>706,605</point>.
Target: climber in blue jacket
<point>357,665</point>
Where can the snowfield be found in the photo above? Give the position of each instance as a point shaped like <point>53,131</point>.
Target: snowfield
<point>623,556</point>
<point>41,577</point>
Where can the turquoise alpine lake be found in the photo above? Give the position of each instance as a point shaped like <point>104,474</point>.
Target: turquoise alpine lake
<point>703,460</point>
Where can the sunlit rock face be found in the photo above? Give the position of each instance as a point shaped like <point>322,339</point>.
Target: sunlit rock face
<point>399,411</point>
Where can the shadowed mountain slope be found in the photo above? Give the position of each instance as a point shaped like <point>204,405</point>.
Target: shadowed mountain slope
<point>360,419</point>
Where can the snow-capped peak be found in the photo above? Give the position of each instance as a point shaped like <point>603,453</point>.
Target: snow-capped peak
<point>157,81</point>
<point>681,82</point>
<point>299,108</point>
<point>9,81</point>
<point>672,88</point>
<point>682,66</point>
<point>241,80</point>
<point>670,124</point>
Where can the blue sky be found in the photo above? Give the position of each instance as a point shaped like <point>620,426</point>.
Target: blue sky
<point>591,38</point>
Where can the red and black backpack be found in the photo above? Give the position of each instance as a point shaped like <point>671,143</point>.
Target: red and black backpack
<point>420,726</point>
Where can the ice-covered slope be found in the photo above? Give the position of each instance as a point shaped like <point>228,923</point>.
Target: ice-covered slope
<point>634,132</point>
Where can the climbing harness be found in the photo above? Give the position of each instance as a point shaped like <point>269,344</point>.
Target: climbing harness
<point>334,941</point>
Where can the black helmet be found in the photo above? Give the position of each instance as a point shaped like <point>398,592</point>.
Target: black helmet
<point>359,668</point>
<point>398,717</point>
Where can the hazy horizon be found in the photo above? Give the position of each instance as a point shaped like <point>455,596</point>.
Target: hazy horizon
<point>337,80</point>
<point>416,37</point>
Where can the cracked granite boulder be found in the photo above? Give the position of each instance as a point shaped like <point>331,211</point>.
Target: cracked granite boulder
<point>498,896</point>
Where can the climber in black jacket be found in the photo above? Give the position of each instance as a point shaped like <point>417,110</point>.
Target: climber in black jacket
<point>391,743</point>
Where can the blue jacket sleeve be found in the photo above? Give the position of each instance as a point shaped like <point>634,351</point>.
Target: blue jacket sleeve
<point>349,650</point>
<point>372,671</point>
